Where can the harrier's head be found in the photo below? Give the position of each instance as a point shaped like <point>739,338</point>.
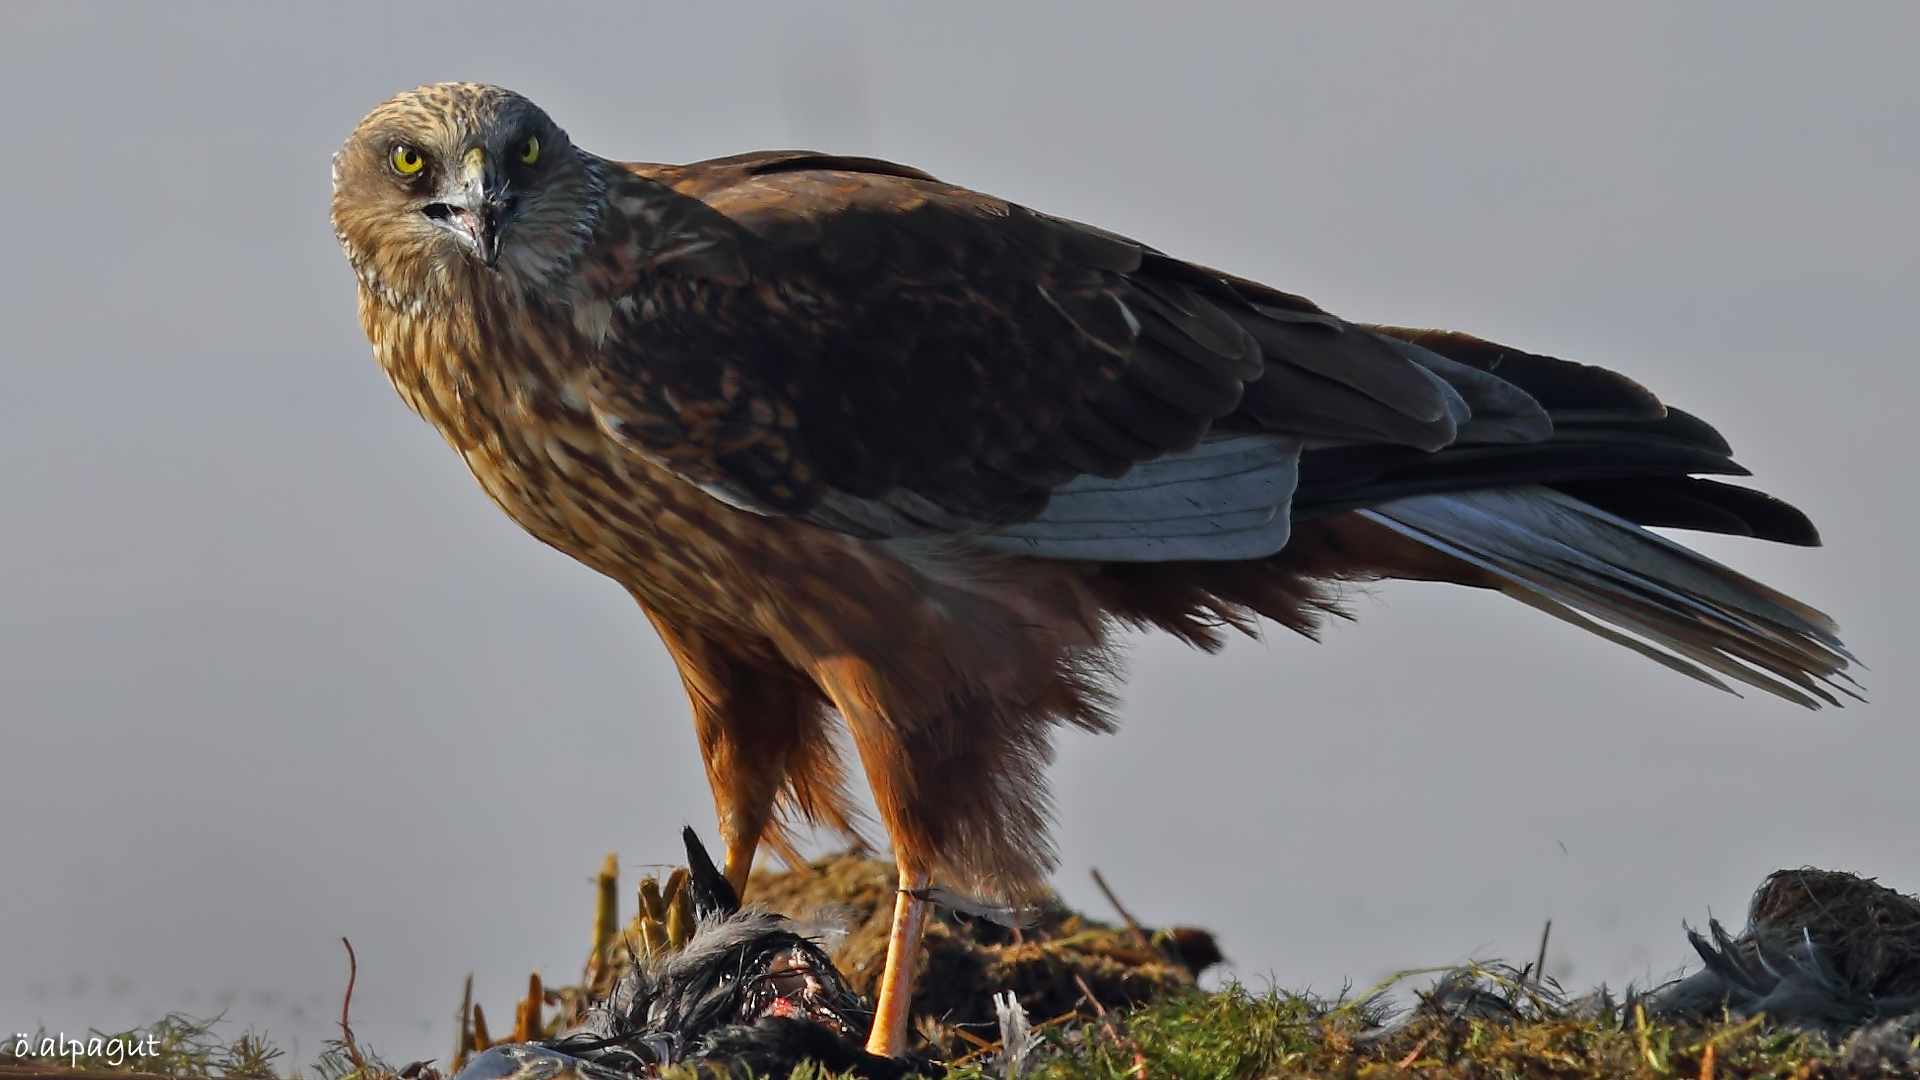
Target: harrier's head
<point>455,180</point>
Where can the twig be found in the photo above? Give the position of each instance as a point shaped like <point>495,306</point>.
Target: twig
<point>482,1038</point>
<point>346,1004</point>
<point>978,1042</point>
<point>1540,965</point>
<point>1139,1069</point>
<point>1133,924</point>
<point>527,1025</point>
<point>606,922</point>
<point>1099,1009</point>
<point>1413,1055</point>
<point>463,1042</point>
<point>679,908</point>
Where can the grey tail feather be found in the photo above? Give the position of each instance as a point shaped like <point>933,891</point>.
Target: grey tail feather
<point>1609,576</point>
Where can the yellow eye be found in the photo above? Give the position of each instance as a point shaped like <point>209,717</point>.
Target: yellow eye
<point>407,161</point>
<point>530,151</point>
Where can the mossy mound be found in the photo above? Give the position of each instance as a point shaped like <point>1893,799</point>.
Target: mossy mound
<point>1869,933</point>
<point>1821,950</point>
<point>1062,965</point>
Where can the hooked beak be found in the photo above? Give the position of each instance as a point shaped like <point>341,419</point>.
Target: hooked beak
<point>479,210</point>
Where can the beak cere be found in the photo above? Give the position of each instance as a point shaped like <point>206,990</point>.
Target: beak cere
<point>479,209</point>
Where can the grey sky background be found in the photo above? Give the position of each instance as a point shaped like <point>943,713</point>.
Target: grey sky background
<point>274,671</point>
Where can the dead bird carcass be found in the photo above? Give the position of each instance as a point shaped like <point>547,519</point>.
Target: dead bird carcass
<point>746,992</point>
<point>1822,949</point>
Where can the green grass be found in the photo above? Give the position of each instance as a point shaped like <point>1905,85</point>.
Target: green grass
<point>1241,1034</point>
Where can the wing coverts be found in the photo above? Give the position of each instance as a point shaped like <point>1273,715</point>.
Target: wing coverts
<point>1225,499</point>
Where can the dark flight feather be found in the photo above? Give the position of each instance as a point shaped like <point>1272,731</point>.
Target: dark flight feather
<point>1686,502</point>
<point>1568,391</point>
<point>1295,400</point>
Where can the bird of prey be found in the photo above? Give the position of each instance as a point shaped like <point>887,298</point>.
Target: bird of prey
<point>875,450</point>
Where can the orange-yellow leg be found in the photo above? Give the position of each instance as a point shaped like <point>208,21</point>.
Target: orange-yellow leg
<point>739,864</point>
<point>889,1038</point>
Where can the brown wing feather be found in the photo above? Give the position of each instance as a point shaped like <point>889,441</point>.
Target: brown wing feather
<point>877,349</point>
<point>889,338</point>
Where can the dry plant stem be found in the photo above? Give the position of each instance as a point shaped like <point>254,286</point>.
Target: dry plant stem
<point>653,935</point>
<point>1107,1028</point>
<point>527,1024</point>
<point>679,910</point>
<point>1098,1009</point>
<point>463,1041</point>
<point>1133,924</point>
<point>606,919</point>
<point>1646,1043</point>
<point>889,1038</point>
<point>481,1039</point>
<point>346,1005</point>
<point>1453,1018</point>
<point>1139,1070</point>
<point>1540,965</point>
<point>652,918</point>
<point>1413,1055</point>
<point>652,904</point>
